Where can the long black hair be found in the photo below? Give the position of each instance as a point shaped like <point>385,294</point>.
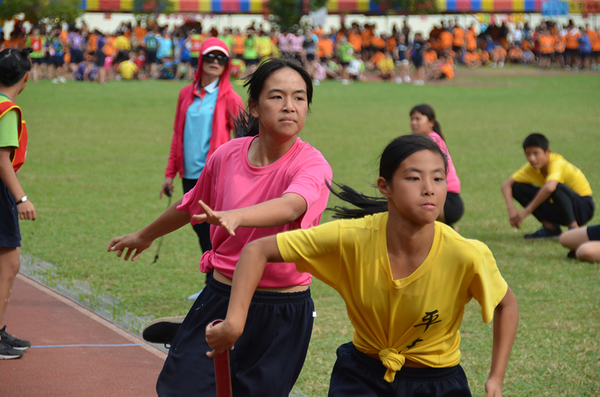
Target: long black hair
<point>245,123</point>
<point>391,158</point>
<point>427,111</point>
<point>14,64</point>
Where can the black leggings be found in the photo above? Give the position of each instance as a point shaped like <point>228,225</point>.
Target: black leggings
<point>201,229</point>
<point>562,207</point>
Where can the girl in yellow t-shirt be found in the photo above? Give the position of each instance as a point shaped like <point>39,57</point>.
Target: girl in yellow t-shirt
<point>404,277</point>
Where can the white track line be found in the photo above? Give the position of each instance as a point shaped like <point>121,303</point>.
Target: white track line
<point>94,316</point>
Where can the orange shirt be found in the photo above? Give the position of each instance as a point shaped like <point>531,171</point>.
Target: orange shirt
<point>485,56</point>
<point>139,32</point>
<point>109,49</point>
<point>546,44</point>
<point>526,45</point>
<point>459,37</point>
<point>92,44</point>
<point>471,57</point>
<point>594,39</point>
<point>238,44</point>
<point>560,43</point>
<point>471,41</point>
<point>573,39</point>
<point>515,53</point>
<point>446,39</point>
<point>378,57</point>
<point>356,40</point>
<point>378,43</point>
<point>430,56</point>
<point>367,35</point>
<point>448,71</point>
<point>325,47</point>
<point>391,44</point>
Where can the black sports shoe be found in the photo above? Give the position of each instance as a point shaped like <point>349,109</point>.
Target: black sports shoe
<point>13,342</point>
<point>162,330</point>
<point>544,233</point>
<point>8,352</point>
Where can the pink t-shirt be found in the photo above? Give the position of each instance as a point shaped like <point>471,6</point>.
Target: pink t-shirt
<point>228,181</point>
<point>452,179</point>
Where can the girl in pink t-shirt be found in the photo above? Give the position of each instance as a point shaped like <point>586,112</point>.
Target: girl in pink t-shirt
<point>260,184</point>
<point>423,122</point>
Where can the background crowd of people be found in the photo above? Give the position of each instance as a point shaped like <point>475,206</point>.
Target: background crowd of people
<point>138,50</point>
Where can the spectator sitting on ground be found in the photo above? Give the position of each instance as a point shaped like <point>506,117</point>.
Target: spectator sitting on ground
<point>385,66</point>
<point>127,69</point>
<point>584,243</point>
<point>442,69</point>
<point>515,54</point>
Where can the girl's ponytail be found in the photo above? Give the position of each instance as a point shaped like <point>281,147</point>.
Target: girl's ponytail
<point>391,158</point>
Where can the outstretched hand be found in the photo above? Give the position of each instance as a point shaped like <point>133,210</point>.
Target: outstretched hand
<point>221,337</point>
<point>133,243</point>
<point>225,219</point>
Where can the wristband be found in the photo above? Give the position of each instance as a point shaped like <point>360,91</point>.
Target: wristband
<point>23,199</point>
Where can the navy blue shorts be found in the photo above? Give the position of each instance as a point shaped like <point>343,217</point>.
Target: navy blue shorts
<point>267,358</point>
<point>357,375</point>
<point>10,235</point>
<point>58,60</point>
<point>593,232</point>
<point>151,55</point>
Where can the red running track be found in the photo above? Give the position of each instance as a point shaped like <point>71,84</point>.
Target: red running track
<point>75,352</point>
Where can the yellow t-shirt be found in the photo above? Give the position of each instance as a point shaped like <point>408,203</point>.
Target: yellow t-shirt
<point>122,43</point>
<point>559,170</point>
<point>127,69</point>
<point>386,65</point>
<point>417,317</point>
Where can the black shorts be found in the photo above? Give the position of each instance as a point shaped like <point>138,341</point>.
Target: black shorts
<point>58,60</point>
<point>356,374</point>
<point>572,51</point>
<point>76,56</point>
<point>151,55</point>
<point>100,58</point>
<point>595,54</point>
<point>194,62</point>
<point>267,358</point>
<point>37,61</point>
<point>593,232</point>
<point>550,55</point>
<point>10,234</point>
<point>344,64</point>
<point>585,55</point>
<point>418,61</point>
<point>456,48</point>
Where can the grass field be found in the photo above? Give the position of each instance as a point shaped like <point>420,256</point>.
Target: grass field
<point>96,161</point>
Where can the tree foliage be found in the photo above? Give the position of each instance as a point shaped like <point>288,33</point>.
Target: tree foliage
<point>287,13</point>
<point>42,11</point>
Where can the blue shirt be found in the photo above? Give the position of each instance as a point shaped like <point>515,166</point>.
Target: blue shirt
<point>165,48</point>
<point>198,130</point>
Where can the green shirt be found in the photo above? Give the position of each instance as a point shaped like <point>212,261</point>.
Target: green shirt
<point>346,52</point>
<point>9,129</point>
